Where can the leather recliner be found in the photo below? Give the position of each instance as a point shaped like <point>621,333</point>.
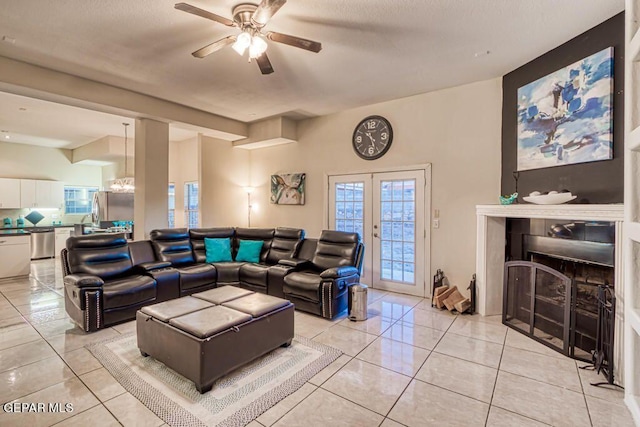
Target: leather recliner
<point>319,285</point>
<point>102,286</point>
<point>174,246</point>
<point>285,244</point>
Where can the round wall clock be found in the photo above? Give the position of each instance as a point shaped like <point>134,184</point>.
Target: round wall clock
<point>372,137</point>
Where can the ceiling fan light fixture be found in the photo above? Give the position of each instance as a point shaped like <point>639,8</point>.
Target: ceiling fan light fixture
<point>242,43</point>
<point>258,47</point>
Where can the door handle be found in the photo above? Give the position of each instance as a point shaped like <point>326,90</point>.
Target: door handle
<point>375,234</point>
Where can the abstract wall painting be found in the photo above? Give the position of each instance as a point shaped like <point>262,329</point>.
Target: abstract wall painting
<point>566,117</point>
<point>288,189</point>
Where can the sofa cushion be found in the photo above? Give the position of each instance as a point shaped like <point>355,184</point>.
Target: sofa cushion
<point>286,243</point>
<point>217,250</point>
<point>228,272</point>
<point>254,274</point>
<point>197,236</point>
<point>303,285</point>
<point>194,276</point>
<point>128,291</point>
<point>102,256</point>
<point>335,249</point>
<point>263,234</point>
<point>249,250</point>
<point>173,245</point>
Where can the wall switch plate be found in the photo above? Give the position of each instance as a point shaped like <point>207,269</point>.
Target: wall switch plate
<point>436,223</point>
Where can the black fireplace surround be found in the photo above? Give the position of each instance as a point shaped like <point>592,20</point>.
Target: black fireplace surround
<point>553,275</point>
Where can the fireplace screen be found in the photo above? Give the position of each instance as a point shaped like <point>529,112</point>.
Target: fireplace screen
<point>538,303</point>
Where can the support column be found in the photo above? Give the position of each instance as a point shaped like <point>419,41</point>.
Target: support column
<point>151,208</point>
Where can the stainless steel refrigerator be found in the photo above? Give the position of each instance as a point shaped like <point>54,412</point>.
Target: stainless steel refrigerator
<point>109,206</point>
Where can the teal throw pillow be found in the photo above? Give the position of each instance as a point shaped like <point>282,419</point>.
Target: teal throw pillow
<point>249,250</point>
<point>218,250</point>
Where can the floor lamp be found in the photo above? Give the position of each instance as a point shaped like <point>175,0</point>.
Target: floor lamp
<point>249,190</point>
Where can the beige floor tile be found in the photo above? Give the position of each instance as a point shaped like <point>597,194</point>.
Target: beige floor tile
<point>606,392</point>
<point>98,416</point>
<point>368,385</point>
<point>16,336</point>
<point>408,300</point>
<point>498,417</point>
<point>517,340</point>
<point>126,328</point>
<point>425,405</point>
<point>395,356</point>
<point>388,309</point>
<point>25,354</point>
<point>76,338</point>
<point>47,316</point>
<point>349,341</point>
<point>543,402</point>
<point>102,384</point>
<point>390,423</point>
<point>28,379</point>
<point>375,325</point>
<point>551,370</point>
<point>277,411</point>
<point>253,423</point>
<point>494,320</point>
<point>8,312</point>
<point>309,326</point>
<point>604,413</point>
<point>327,372</point>
<point>477,351</point>
<point>81,361</point>
<point>460,376</point>
<point>131,412</point>
<point>425,304</point>
<point>55,327</point>
<point>322,409</point>
<point>430,319</point>
<point>12,323</point>
<point>492,332</point>
<point>416,335</point>
<point>23,297</point>
<point>41,306</point>
<point>71,392</point>
<point>374,295</point>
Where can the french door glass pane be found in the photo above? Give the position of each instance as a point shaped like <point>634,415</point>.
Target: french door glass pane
<point>397,233</point>
<point>349,207</point>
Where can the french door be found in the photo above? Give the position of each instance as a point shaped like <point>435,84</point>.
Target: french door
<point>388,210</point>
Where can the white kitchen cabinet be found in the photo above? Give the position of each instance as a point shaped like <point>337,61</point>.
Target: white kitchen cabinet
<point>41,194</point>
<point>15,253</point>
<point>62,234</point>
<point>9,193</point>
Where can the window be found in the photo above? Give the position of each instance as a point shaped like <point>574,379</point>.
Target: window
<point>172,205</point>
<point>191,204</point>
<point>77,200</point>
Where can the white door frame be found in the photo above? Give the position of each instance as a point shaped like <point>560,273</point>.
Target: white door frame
<point>427,211</point>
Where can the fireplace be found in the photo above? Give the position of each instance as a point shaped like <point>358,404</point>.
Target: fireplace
<point>552,281</point>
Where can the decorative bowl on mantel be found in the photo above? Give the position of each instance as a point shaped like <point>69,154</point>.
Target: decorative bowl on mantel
<point>553,198</point>
<point>508,200</point>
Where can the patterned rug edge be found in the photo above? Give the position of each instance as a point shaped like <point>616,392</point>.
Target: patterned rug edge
<point>175,415</point>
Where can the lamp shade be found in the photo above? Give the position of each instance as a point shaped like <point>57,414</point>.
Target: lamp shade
<point>242,43</point>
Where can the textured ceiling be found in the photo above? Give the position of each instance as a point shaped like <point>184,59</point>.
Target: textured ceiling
<point>373,51</point>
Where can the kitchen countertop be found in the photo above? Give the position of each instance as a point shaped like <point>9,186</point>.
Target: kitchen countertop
<point>40,226</point>
<point>13,232</point>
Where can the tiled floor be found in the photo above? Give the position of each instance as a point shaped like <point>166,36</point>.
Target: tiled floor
<point>408,364</point>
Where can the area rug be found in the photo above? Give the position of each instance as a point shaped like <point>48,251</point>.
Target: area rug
<point>235,399</point>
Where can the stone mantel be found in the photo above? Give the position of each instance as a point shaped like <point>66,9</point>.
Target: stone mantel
<point>490,253</point>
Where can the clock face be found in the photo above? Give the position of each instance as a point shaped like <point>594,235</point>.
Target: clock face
<point>372,137</point>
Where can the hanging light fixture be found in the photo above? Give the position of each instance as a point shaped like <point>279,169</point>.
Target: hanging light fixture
<point>126,184</point>
<point>256,44</point>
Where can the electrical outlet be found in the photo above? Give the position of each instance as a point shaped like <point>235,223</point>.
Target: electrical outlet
<point>436,223</point>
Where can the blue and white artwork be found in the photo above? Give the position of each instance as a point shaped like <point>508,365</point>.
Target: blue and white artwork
<point>566,117</point>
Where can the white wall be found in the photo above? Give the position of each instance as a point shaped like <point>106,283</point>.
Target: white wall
<point>457,130</point>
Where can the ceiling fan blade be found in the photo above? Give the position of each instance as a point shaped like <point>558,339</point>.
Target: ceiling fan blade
<point>264,64</point>
<point>295,41</point>
<point>265,11</point>
<point>205,14</point>
<point>214,47</point>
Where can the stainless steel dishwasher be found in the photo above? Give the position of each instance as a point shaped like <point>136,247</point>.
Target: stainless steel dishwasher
<point>43,243</point>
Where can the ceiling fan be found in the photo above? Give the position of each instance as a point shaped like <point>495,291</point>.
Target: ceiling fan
<point>250,19</point>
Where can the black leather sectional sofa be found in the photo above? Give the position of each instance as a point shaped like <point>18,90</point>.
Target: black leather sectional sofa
<point>107,279</point>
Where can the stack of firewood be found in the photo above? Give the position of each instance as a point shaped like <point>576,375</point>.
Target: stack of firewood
<point>451,299</point>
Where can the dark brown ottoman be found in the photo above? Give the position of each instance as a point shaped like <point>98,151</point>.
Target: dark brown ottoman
<point>209,334</point>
